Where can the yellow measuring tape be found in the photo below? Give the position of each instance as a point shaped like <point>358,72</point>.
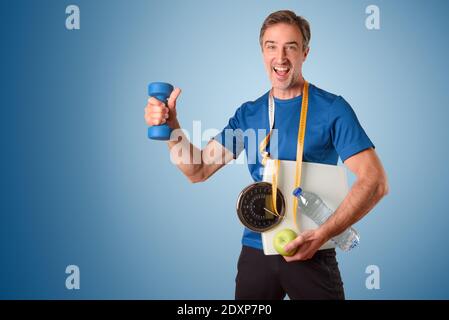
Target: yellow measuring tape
<point>299,153</point>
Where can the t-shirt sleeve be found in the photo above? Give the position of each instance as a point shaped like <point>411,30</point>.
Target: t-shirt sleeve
<point>347,134</point>
<point>231,137</point>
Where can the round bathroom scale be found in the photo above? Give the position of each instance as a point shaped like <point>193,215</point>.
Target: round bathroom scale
<point>255,207</point>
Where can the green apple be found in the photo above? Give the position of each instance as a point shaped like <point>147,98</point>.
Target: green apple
<point>281,239</point>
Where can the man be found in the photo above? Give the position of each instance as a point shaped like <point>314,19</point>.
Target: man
<point>332,130</point>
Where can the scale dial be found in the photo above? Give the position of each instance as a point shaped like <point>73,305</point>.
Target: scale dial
<point>255,207</point>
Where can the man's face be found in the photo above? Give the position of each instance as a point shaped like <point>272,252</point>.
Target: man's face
<point>283,55</point>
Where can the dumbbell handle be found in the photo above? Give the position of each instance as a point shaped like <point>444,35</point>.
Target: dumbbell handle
<point>160,91</point>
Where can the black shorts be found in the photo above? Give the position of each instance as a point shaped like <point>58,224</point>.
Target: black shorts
<point>261,276</point>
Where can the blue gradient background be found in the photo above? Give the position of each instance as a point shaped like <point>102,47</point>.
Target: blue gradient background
<point>81,184</point>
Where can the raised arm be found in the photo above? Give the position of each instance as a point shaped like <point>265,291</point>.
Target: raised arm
<point>197,165</point>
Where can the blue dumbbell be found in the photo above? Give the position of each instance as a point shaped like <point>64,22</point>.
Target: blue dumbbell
<point>161,91</point>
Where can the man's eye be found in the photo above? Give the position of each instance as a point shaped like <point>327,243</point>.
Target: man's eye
<point>293,48</point>
<point>271,47</point>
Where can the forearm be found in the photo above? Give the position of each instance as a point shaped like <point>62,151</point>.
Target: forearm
<point>363,196</point>
<point>185,155</point>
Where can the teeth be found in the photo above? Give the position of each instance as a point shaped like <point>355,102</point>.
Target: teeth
<point>282,69</point>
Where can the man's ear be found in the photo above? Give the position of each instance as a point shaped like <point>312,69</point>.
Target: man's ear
<point>306,53</point>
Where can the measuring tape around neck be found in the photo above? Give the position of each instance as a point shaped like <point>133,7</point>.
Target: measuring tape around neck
<point>299,147</point>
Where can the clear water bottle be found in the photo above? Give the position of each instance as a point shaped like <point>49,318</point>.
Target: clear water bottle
<point>312,206</point>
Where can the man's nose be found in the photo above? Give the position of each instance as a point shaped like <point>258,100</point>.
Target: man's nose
<point>280,55</point>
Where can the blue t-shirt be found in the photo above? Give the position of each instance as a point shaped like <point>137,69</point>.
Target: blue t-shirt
<point>332,130</point>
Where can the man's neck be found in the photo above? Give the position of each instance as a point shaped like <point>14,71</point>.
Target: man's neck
<point>291,92</point>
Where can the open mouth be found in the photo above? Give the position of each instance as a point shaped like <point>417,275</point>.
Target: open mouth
<point>281,71</point>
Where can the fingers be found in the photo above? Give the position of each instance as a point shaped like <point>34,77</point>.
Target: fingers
<point>173,97</point>
<point>155,120</point>
<point>304,252</point>
<point>155,102</point>
<point>306,246</point>
<point>156,112</point>
<point>156,109</point>
<point>299,240</point>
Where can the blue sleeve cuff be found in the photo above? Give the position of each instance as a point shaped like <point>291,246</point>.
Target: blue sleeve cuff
<point>355,148</point>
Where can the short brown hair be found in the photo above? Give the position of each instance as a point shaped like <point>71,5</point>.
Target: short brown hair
<point>288,17</point>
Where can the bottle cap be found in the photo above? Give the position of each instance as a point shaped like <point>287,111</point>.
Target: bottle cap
<point>297,192</point>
